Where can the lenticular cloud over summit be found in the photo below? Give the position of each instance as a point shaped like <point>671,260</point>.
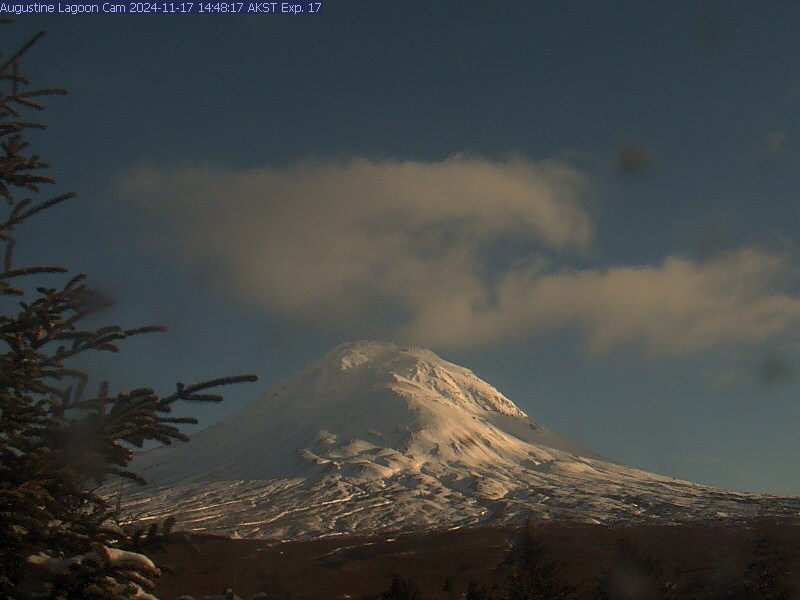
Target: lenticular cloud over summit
<point>378,437</point>
<point>463,252</point>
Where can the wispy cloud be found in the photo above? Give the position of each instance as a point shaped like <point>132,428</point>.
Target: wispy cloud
<point>775,369</point>
<point>773,146</point>
<point>728,377</point>
<point>675,307</point>
<point>405,248</point>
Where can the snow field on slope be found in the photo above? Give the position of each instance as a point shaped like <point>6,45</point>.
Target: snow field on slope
<point>377,438</point>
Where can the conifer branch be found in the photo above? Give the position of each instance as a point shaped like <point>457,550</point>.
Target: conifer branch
<point>19,53</point>
<point>21,217</point>
<point>54,441</point>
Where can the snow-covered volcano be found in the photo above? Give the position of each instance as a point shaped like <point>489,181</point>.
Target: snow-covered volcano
<point>377,437</point>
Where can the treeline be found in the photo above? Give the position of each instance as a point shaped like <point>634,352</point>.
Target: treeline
<point>532,572</point>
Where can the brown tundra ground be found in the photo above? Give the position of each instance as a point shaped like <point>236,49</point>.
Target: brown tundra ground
<point>696,557</point>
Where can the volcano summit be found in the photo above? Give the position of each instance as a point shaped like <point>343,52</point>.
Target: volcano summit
<point>380,438</point>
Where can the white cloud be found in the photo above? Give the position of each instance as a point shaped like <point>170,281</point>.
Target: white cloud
<point>676,307</point>
<point>728,377</point>
<point>357,244</point>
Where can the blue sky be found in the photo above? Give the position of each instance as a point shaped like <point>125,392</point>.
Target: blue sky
<point>592,205</point>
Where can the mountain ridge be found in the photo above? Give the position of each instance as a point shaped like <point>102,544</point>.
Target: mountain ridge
<point>379,437</point>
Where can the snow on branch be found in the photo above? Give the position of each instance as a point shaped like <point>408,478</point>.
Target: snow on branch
<point>117,558</point>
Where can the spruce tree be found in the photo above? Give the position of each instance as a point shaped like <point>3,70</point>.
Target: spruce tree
<point>58,440</point>
<point>475,592</point>
<point>632,575</point>
<point>401,589</point>
<point>762,579</point>
<point>535,575</point>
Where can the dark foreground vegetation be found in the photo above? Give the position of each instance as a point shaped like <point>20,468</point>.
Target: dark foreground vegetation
<point>62,436</point>
<point>551,561</point>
